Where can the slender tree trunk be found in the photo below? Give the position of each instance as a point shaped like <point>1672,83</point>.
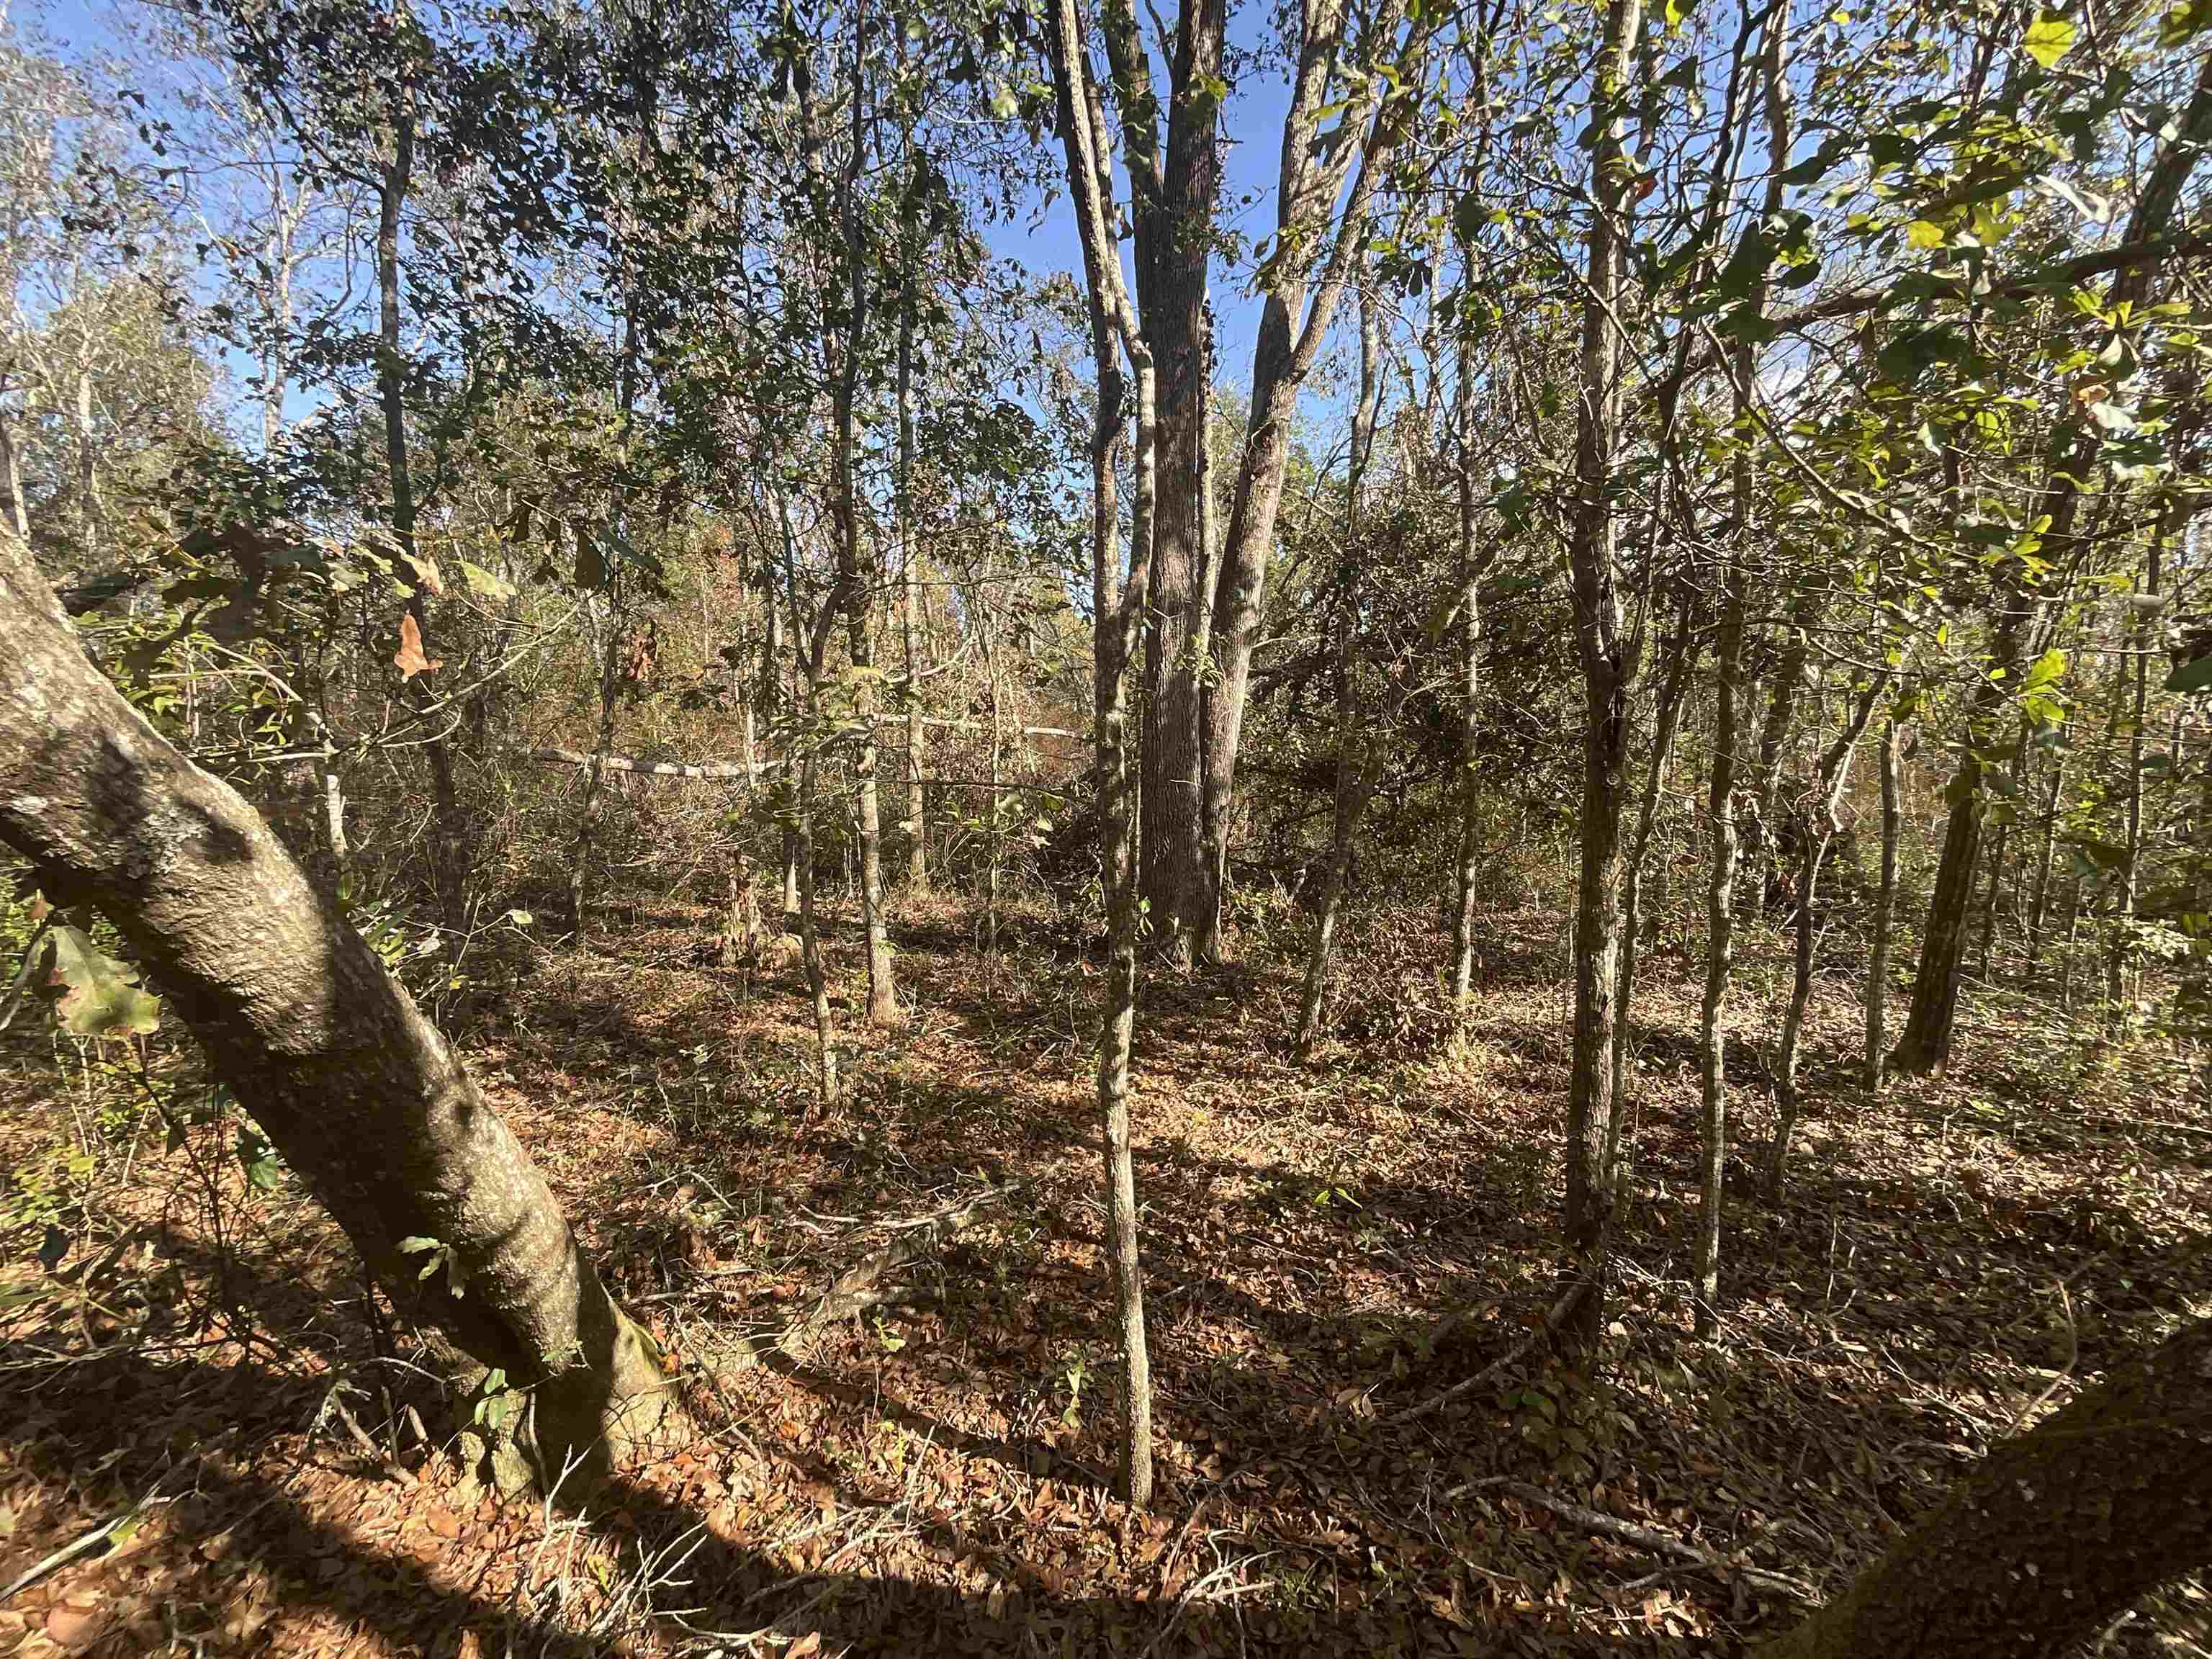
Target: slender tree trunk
<point>322,1046</point>
<point>1877,991</point>
<point>1925,1048</point>
<point>1607,668</point>
<point>917,814</point>
<point>1817,829</point>
<point>449,860</point>
<point>2039,912</point>
<point>1469,793</point>
<point>1358,748</point>
<point>2047,1540</point>
<point>1722,799</point>
<point>602,744</point>
<point>1667,720</point>
<point>858,597</point>
<point>1117,619</point>
<point>2122,941</point>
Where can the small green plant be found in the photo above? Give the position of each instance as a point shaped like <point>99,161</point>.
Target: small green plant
<point>436,1253</point>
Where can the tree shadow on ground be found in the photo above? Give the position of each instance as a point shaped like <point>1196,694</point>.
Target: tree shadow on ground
<point>317,1560</point>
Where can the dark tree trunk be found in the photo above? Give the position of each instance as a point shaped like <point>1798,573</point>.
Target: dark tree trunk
<point>2052,1535</point>
<point>449,862</point>
<point>321,1045</point>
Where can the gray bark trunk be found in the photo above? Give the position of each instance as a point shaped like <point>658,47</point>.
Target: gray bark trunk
<point>1877,993</point>
<point>2052,1536</point>
<point>322,1046</point>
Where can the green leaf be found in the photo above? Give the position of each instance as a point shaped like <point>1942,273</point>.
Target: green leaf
<point>2187,18</point>
<point>2048,667</point>
<point>485,584</point>
<point>2195,675</point>
<point>103,997</point>
<point>1922,232</point>
<point>2048,38</point>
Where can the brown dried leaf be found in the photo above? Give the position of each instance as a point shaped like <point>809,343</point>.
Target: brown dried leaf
<point>410,659</point>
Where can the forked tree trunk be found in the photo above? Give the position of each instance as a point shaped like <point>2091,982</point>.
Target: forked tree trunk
<point>1877,991</point>
<point>322,1046</point>
<point>2052,1536</point>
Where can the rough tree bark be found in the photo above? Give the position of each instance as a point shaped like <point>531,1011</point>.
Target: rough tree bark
<point>321,1045</point>
<point>2053,1534</point>
<point>1607,668</point>
<point>1175,181</point>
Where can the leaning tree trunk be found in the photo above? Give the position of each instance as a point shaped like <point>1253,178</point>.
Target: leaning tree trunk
<point>2052,1535</point>
<point>321,1045</point>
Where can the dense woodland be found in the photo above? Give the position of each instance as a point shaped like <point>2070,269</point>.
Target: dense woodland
<point>1064,828</point>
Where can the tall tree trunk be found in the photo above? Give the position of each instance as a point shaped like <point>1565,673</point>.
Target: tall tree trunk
<point>450,856</point>
<point>2039,911</point>
<point>856,589</point>
<point>2043,1543</point>
<point>1607,668</point>
<point>917,800</point>
<point>1925,1047</point>
<point>322,1046</point>
<point>1877,989</point>
<point>1469,794</point>
<point>1817,828</point>
<point>1174,185</point>
<point>1667,720</point>
<point>1291,328</point>
<point>1358,748</point>
<point>1722,799</point>
<point>609,666</point>
<point>1723,802</point>
<point>2122,947</point>
<point>1117,618</point>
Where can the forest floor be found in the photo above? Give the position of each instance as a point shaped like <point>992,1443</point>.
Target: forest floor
<point>194,1392</point>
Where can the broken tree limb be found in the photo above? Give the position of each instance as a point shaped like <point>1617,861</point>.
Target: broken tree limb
<point>1569,1301</point>
<point>1659,1543</point>
<point>720,769</point>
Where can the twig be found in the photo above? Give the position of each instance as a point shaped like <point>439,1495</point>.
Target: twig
<point>1560,1310</point>
<point>1658,1543</point>
<point>84,1546</point>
